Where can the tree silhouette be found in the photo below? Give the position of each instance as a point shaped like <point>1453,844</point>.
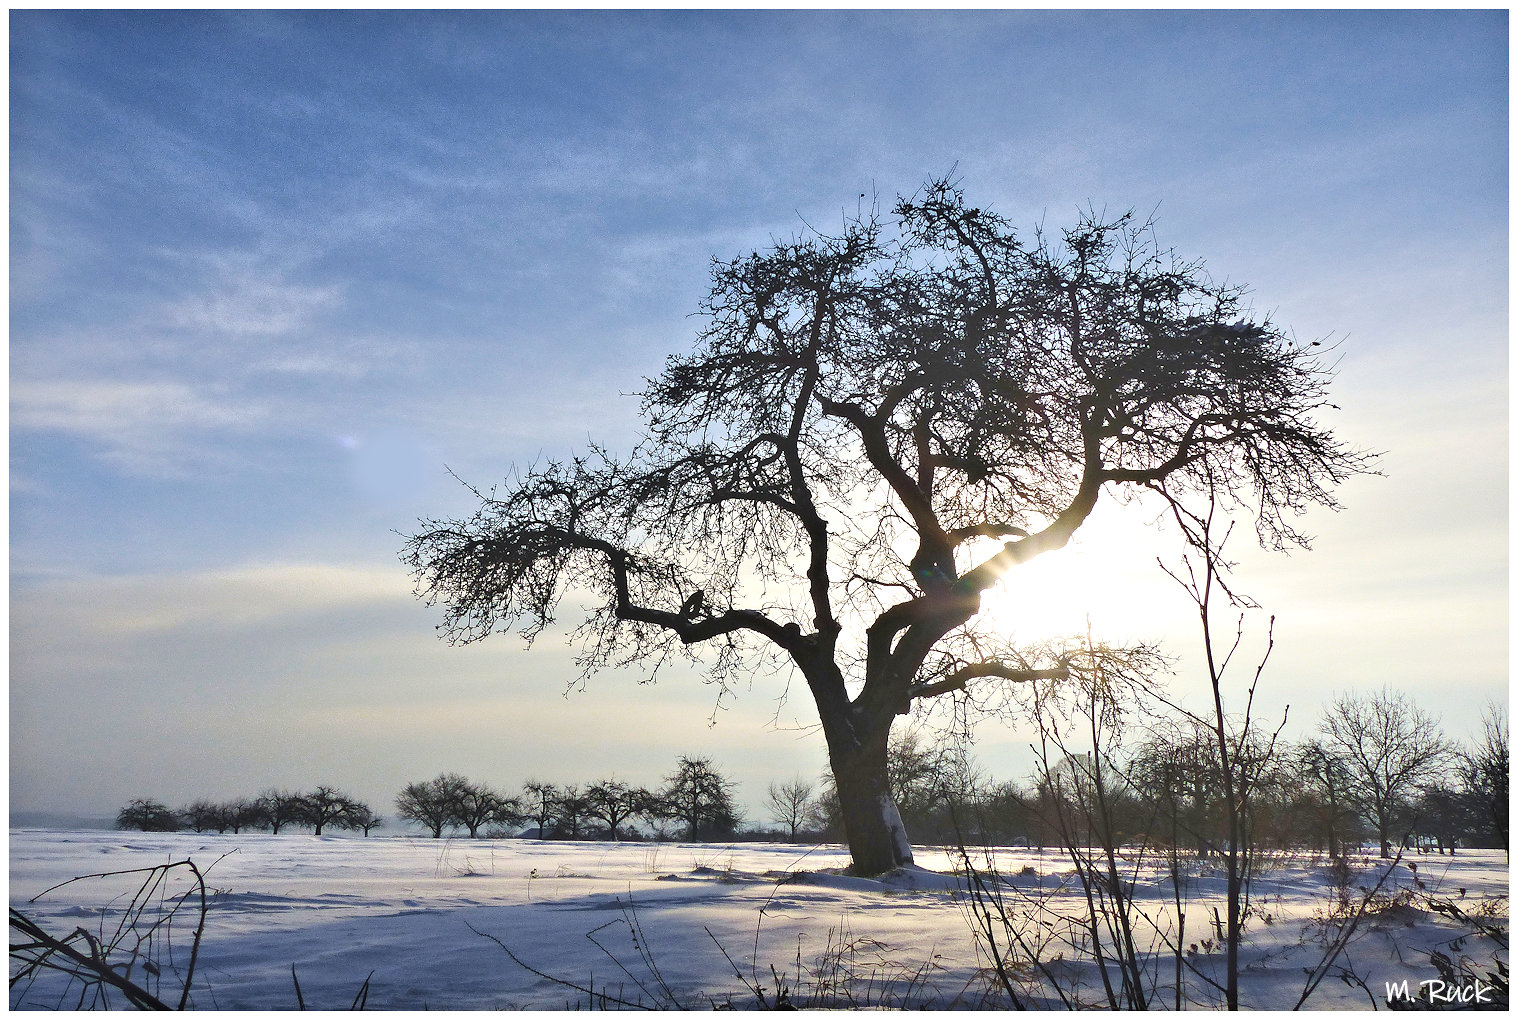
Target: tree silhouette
<point>278,808</point>
<point>1388,747</point>
<point>700,796</point>
<point>540,804</point>
<point>1484,772</point>
<point>791,803</point>
<point>363,817</point>
<point>873,429</point>
<point>147,815</point>
<point>326,806</point>
<point>614,802</point>
<point>433,802</point>
<point>476,805</point>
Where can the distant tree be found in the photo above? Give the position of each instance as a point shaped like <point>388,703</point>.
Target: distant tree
<point>1176,771</point>
<point>540,805</point>
<point>1484,771</point>
<point>881,425</point>
<point>201,815</point>
<point>614,803</point>
<point>477,805</point>
<point>700,796</point>
<point>791,803</point>
<point>1388,747</point>
<point>574,812</point>
<point>363,817</point>
<point>325,806</point>
<point>1446,815</point>
<point>433,802</point>
<point>1005,813</point>
<point>1325,807</point>
<point>240,814</point>
<point>912,772</point>
<point>279,809</point>
<point>149,816</point>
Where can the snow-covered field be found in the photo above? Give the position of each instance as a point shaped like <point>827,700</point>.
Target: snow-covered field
<point>689,924</point>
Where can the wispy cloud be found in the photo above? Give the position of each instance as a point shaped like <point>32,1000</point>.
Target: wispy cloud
<point>248,300</point>
<point>228,599</point>
<point>146,427</point>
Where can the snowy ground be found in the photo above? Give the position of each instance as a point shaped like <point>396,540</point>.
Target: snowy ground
<point>711,920</point>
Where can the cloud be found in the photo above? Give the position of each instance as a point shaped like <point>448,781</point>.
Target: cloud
<point>234,598</point>
<point>253,301</point>
<point>142,427</point>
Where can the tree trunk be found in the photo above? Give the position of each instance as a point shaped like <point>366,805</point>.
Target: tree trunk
<point>877,839</point>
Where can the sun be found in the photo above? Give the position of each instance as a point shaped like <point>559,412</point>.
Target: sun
<point>1106,579</point>
<point>1045,599</point>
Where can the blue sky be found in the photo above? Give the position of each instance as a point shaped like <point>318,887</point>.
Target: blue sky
<point>270,273</point>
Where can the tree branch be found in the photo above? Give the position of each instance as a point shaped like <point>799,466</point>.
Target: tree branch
<point>960,678</point>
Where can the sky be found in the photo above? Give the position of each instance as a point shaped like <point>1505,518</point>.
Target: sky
<point>273,276</point>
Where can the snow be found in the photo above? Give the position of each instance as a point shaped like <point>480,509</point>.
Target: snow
<point>690,924</point>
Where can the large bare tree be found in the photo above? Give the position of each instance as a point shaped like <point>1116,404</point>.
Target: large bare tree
<point>872,430</point>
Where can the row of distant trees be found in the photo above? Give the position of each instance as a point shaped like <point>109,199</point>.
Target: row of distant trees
<point>696,797</point>
<point>323,808</point>
<point>1377,769</point>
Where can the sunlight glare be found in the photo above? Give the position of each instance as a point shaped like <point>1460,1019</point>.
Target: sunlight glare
<point>1107,574</point>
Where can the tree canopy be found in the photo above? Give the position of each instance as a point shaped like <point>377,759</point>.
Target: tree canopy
<point>872,430</point>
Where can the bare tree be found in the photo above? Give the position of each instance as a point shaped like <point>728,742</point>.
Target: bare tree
<point>279,808</point>
<point>1445,815</point>
<point>700,796</point>
<point>201,815</point>
<point>1484,772</point>
<point>540,805</point>
<point>149,816</point>
<point>1175,770</point>
<point>363,817</point>
<point>1325,796</point>
<point>476,805</point>
<point>326,806</point>
<point>791,803</point>
<point>1389,747</point>
<point>574,811</point>
<point>614,803</point>
<point>433,803</point>
<point>241,814</point>
<point>880,425</point>
<point>1243,753</point>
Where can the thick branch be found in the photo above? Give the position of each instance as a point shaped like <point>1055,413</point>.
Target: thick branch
<point>1052,537</point>
<point>872,431</point>
<point>960,678</point>
<point>959,536</point>
<point>688,629</point>
<point>801,493</point>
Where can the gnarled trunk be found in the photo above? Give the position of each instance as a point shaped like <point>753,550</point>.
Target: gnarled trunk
<point>877,839</point>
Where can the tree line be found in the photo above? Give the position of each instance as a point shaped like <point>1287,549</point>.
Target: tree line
<point>323,808</point>
<point>696,797</point>
<point>1377,769</point>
